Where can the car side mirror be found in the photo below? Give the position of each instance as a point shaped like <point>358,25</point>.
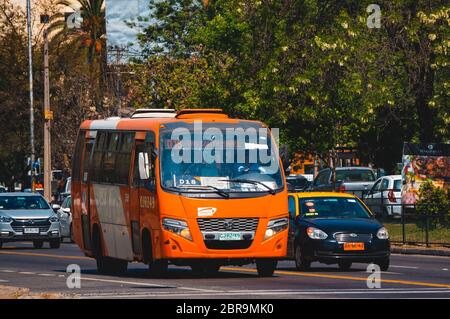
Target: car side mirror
<point>56,207</point>
<point>144,166</point>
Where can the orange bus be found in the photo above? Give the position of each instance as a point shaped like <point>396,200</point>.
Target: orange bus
<point>189,188</point>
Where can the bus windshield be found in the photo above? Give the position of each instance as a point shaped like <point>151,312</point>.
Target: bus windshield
<point>219,157</point>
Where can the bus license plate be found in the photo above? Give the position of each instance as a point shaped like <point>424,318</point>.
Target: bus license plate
<point>31,230</point>
<point>353,246</point>
<point>229,236</point>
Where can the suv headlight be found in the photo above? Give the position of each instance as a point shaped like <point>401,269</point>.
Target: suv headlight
<point>5,219</point>
<point>275,226</point>
<point>316,233</point>
<point>176,226</point>
<point>54,219</point>
<point>383,233</point>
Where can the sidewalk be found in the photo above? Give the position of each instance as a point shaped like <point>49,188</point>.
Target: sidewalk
<point>419,250</point>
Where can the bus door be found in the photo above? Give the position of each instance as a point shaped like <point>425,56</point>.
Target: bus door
<point>142,191</point>
<point>85,190</point>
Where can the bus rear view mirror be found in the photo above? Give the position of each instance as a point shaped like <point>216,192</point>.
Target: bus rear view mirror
<point>144,166</point>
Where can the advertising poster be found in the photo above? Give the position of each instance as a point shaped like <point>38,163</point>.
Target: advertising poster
<point>423,162</point>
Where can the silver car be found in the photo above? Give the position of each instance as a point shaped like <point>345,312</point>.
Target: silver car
<point>385,197</point>
<point>28,217</point>
<point>65,218</point>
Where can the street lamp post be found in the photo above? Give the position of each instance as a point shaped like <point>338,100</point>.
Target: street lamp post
<point>30,66</point>
<point>48,117</point>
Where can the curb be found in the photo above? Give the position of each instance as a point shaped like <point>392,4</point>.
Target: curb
<point>420,251</point>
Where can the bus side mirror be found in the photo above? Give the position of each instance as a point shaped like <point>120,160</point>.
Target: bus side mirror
<point>144,166</point>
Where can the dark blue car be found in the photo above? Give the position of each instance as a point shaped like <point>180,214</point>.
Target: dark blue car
<point>335,228</point>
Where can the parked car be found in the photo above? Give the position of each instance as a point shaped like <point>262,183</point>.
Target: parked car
<point>297,183</point>
<point>65,218</point>
<point>335,228</point>
<point>3,189</point>
<point>385,197</point>
<point>353,180</point>
<point>28,217</point>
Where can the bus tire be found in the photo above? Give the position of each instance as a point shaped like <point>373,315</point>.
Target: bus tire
<point>106,265</point>
<point>266,267</point>
<point>155,267</point>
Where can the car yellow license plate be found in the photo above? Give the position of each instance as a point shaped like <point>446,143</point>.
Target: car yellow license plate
<point>353,246</point>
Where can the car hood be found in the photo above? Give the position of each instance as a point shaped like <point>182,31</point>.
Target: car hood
<point>28,214</point>
<point>336,225</point>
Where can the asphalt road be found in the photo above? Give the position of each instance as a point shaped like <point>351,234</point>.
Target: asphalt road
<point>44,270</point>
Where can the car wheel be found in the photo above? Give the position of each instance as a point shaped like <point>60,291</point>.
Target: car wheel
<point>38,244</point>
<point>266,267</point>
<point>300,261</point>
<point>55,243</point>
<point>344,265</point>
<point>383,264</point>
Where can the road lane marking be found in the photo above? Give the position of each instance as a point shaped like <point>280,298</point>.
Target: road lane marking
<point>280,272</point>
<point>2,280</point>
<point>126,282</point>
<point>296,273</point>
<point>406,267</point>
<point>262,293</point>
<point>7,270</point>
<point>198,289</point>
<point>47,275</point>
<point>44,255</point>
<point>27,273</point>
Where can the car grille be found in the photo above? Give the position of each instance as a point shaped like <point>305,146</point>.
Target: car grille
<point>227,224</point>
<point>19,224</point>
<point>353,237</point>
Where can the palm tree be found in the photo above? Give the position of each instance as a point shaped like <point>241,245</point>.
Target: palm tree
<point>91,36</point>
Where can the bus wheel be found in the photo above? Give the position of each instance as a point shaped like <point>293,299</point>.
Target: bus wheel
<point>155,267</point>
<point>107,265</point>
<point>266,267</point>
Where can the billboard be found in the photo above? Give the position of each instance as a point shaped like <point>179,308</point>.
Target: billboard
<point>121,37</point>
<point>423,162</point>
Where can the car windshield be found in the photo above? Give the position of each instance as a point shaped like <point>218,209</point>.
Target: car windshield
<point>219,157</point>
<point>23,202</point>
<point>355,175</point>
<point>332,207</point>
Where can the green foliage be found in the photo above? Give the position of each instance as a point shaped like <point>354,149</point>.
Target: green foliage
<point>434,203</point>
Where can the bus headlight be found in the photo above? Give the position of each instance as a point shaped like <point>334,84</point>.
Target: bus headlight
<point>275,226</point>
<point>177,226</point>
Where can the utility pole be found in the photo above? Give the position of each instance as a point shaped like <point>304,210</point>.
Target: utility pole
<point>48,116</point>
<point>30,67</point>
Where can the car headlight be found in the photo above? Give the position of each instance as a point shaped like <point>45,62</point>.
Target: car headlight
<point>177,226</point>
<point>315,233</point>
<point>5,219</point>
<point>383,233</point>
<point>275,226</point>
<point>54,219</point>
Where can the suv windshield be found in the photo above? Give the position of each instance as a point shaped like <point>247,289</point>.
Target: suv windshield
<point>22,202</point>
<point>355,175</point>
<point>219,158</point>
<point>332,207</point>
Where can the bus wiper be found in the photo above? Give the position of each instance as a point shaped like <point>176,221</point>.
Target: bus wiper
<point>249,181</point>
<point>218,190</point>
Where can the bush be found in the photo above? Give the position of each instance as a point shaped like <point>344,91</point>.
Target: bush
<point>434,203</point>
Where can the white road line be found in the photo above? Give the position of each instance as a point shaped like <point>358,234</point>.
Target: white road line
<point>271,293</point>
<point>47,275</point>
<point>1,280</point>
<point>446,269</point>
<point>199,289</point>
<point>27,273</point>
<point>7,270</point>
<point>407,267</point>
<point>126,282</point>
